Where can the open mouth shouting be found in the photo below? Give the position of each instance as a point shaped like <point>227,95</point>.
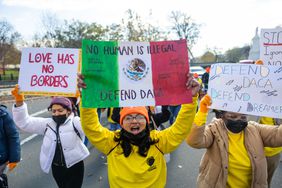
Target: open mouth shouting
<point>135,129</point>
<point>134,123</point>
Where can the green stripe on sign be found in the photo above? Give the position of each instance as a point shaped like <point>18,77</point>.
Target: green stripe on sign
<point>100,69</point>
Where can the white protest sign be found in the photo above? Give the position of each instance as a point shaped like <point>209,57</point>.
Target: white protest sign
<point>271,46</point>
<point>49,71</point>
<point>247,89</point>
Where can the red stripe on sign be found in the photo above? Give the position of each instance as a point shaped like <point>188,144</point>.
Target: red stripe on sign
<point>272,44</point>
<point>170,67</point>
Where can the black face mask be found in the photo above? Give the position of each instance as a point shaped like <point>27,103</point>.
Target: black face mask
<point>137,138</point>
<point>60,119</point>
<point>236,126</point>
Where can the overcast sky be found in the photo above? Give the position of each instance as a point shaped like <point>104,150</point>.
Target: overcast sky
<point>225,23</point>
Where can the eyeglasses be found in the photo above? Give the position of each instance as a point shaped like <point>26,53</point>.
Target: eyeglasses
<point>138,118</point>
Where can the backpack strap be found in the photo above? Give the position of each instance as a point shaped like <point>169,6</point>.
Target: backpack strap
<point>49,128</point>
<point>113,148</point>
<point>159,149</point>
<point>76,131</point>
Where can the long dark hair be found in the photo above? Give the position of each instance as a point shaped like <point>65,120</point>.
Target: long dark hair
<point>142,140</point>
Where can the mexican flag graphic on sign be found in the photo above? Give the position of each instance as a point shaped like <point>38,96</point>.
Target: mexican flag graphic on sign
<point>119,74</point>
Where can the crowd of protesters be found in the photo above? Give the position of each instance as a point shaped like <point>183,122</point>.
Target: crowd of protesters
<point>239,153</point>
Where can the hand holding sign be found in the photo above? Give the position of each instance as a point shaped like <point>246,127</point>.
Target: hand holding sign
<point>19,98</point>
<point>80,81</point>
<point>80,84</point>
<point>193,84</point>
<point>202,114</point>
<point>205,103</point>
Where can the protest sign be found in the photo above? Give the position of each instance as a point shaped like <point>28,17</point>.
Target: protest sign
<point>271,46</point>
<point>121,74</point>
<point>49,71</point>
<point>247,89</point>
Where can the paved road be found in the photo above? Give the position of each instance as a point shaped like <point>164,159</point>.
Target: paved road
<point>5,91</point>
<point>182,168</point>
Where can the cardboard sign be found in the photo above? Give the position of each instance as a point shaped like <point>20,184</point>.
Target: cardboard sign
<point>49,71</point>
<point>121,74</point>
<point>271,46</point>
<point>247,89</point>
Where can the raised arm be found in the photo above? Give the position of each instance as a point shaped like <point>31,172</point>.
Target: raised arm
<point>170,138</point>
<point>200,135</point>
<point>21,117</point>
<point>99,136</point>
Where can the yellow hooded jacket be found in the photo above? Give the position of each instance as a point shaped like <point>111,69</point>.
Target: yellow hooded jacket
<point>137,171</point>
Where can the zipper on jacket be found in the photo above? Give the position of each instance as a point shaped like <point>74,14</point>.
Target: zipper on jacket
<point>60,145</point>
<point>59,158</point>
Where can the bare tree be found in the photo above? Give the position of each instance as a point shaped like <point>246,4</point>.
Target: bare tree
<point>185,28</point>
<point>135,28</point>
<point>66,34</point>
<point>47,34</point>
<point>7,39</point>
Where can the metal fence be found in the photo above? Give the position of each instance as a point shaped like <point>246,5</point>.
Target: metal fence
<point>8,77</point>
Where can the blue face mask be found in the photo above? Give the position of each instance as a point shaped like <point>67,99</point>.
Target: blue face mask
<point>236,126</point>
<point>60,119</point>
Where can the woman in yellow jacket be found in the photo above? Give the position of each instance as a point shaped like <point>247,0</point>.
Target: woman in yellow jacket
<point>235,149</point>
<point>135,155</point>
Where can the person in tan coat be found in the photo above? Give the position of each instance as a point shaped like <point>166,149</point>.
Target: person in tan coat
<point>234,154</point>
<point>272,154</point>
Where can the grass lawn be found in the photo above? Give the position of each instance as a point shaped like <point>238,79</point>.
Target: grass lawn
<point>10,74</point>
